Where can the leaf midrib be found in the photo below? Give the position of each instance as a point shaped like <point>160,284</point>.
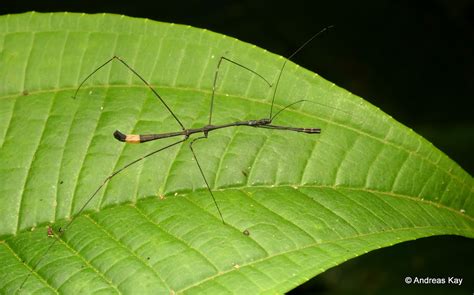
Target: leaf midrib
<point>333,187</point>
<point>339,187</point>
<point>309,245</point>
<point>358,131</point>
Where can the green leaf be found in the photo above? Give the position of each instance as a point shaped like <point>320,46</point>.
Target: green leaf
<point>306,202</point>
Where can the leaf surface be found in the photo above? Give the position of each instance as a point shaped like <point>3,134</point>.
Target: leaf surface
<point>306,202</point>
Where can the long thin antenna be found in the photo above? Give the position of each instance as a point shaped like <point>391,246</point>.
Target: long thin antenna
<point>313,102</point>
<point>289,58</point>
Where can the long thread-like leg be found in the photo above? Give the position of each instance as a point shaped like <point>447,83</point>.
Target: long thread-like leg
<point>216,74</point>
<point>57,236</point>
<point>139,76</point>
<point>203,176</point>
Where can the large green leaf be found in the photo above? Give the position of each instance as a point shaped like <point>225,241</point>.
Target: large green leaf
<point>308,202</point>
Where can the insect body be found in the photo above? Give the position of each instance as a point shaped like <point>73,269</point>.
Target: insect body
<point>186,133</point>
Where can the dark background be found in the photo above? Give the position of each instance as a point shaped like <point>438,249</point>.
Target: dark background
<point>413,59</point>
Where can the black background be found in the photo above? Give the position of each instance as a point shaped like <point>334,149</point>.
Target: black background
<point>413,59</point>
